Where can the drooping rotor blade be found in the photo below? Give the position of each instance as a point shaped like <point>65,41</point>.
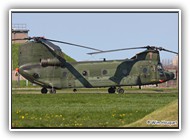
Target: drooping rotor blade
<point>27,38</point>
<point>162,49</point>
<point>77,45</point>
<point>73,44</point>
<point>115,50</point>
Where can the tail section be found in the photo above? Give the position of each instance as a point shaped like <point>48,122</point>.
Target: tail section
<point>38,62</point>
<point>35,52</point>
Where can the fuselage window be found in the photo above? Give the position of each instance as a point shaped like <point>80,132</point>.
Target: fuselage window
<point>64,74</point>
<point>104,72</point>
<point>84,73</point>
<point>36,75</point>
<point>145,70</point>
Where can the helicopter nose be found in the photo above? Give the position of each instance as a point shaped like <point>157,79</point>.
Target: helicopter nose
<point>170,75</point>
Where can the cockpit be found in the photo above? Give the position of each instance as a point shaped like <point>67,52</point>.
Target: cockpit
<point>160,69</point>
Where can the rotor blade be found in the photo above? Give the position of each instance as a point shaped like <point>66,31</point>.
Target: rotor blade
<point>169,51</point>
<point>117,50</point>
<point>73,44</point>
<point>27,38</point>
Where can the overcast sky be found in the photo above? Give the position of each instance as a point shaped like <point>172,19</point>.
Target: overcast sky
<point>104,31</point>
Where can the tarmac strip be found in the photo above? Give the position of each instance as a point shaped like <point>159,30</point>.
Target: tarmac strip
<point>134,91</point>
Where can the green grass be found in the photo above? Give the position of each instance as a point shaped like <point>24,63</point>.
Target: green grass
<point>84,110</point>
<point>166,113</point>
<point>22,84</point>
<point>15,48</point>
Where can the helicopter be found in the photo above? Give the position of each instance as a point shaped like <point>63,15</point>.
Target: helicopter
<point>43,63</point>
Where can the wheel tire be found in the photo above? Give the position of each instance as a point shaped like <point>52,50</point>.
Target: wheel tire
<point>111,90</point>
<point>74,90</point>
<point>44,90</point>
<point>52,91</point>
<point>120,90</point>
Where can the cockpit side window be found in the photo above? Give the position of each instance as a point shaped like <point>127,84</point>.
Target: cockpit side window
<point>160,69</point>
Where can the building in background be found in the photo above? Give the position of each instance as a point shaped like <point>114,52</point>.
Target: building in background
<point>175,61</point>
<point>19,31</point>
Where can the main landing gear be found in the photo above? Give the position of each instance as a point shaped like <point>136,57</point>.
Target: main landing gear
<point>52,90</point>
<point>112,90</point>
<point>120,90</point>
<point>44,90</point>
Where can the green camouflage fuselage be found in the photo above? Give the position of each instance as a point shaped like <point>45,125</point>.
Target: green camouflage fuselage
<point>39,65</point>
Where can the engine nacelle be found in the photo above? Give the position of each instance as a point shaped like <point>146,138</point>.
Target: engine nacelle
<point>50,62</point>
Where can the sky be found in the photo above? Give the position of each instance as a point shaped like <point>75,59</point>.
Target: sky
<point>104,31</point>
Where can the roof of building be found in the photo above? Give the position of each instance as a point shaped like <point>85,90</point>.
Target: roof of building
<point>20,30</point>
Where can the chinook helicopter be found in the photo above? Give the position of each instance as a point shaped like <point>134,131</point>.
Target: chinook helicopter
<point>43,63</point>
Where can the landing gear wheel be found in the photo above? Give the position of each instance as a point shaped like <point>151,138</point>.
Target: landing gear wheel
<point>120,90</point>
<point>111,90</point>
<point>52,91</point>
<point>74,90</point>
<point>44,90</point>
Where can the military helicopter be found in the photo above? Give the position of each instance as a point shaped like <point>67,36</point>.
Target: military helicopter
<point>43,63</point>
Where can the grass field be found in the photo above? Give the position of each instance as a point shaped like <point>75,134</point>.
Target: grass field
<point>85,110</point>
<point>166,115</point>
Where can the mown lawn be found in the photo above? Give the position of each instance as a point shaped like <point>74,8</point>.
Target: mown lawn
<point>84,110</point>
